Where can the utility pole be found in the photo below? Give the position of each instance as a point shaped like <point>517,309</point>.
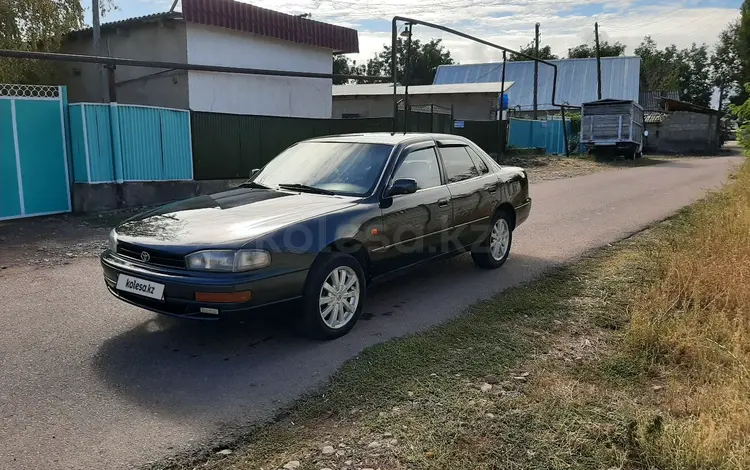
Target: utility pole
<point>98,48</point>
<point>536,70</point>
<point>598,62</point>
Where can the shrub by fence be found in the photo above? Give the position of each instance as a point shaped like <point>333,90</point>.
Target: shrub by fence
<point>227,146</point>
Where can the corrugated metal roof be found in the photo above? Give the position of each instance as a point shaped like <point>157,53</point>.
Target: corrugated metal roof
<point>251,19</point>
<point>132,21</point>
<point>650,99</point>
<point>377,89</point>
<point>576,82</point>
<point>654,117</point>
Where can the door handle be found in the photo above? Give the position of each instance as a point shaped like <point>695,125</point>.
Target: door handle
<point>443,202</point>
<point>492,189</point>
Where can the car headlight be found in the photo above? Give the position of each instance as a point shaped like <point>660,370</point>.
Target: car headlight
<point>228,260</point>
<point>112,241</point>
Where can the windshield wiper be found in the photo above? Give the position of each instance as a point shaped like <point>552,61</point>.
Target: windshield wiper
<point>306,188</point>
<point>251,184</point>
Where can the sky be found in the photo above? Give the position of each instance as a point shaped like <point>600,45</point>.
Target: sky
<point>564,23</point>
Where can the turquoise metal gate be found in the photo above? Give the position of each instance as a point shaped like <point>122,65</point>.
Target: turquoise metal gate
<point>34,175</point>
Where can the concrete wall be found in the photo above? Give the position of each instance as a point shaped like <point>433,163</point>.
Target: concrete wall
<point>688,133</point>
<point>108,196</point>
<point>468,107</point>
<point>164,41</point>
<point>253,94</point>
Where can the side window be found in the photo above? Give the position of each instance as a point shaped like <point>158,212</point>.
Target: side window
<point>478,161</point>
<point>458,164</point>
<point>421,165</point>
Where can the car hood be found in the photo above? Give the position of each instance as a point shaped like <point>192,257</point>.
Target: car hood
<point>227,219</point>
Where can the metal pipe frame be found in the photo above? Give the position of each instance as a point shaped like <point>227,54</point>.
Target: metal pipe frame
<point>412,21</point>
<point>116,61</point>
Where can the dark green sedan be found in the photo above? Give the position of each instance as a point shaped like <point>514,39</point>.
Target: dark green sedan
<point>317,225</point>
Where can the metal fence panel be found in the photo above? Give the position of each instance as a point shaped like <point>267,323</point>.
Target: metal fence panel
<point>228,146</point>
<point>10,199</point>
<point>150,144</point>
<point>486,134</point>
<point>34,166</point>
<point>525,133</point>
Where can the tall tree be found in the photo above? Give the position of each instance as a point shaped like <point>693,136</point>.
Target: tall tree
<point>687,71</point>
<point>743,50</point>
<point>425,58</point>
<point>36,25</point>
<point>726,67</point>
<point>694,77</point>
<point>545,53</point>
<point>658,72</point>
<point>343,65</point>
<point>585,51</point>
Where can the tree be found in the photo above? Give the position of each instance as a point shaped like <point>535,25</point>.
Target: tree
<point>425,58</point>
<point>742,44</point>
<point>687,71</point>
<point>742,113</point>
<point>343,65</point>
<point>584,51</point>
<point>36,25</point>
<point>726,67</point>
<point>694,76</point>
<point>545,53</point>
<point>657,67</point>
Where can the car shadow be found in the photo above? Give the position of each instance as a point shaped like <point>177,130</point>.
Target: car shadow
<point>238,372</point>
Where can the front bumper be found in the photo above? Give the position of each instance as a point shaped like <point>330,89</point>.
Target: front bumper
<point>180,287</point>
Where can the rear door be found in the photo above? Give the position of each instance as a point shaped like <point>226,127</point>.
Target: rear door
<point>472,186</point>
<point>414,224</point>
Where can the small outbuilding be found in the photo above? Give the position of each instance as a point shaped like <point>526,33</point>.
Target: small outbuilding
<point>469,101</point>
<point>682,128</point>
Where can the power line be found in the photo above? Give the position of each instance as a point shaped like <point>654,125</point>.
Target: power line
<point>665,16</point>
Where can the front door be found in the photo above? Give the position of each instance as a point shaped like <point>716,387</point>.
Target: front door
<point>414,224</point>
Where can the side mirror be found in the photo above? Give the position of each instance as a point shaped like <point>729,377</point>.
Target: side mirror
<point>254,172</point>
<point>402,186</point>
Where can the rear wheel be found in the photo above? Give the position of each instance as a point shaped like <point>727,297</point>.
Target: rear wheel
<point>494,250</point>
<point>333,297</point>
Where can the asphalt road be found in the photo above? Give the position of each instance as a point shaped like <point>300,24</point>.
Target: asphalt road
<point>89,382</point>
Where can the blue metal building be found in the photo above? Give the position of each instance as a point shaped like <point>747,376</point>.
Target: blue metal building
<point>576,81</point>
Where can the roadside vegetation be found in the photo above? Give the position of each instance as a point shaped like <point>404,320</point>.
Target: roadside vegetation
<point>636,357</point>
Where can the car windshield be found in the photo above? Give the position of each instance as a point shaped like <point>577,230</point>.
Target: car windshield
<point>346,168</point>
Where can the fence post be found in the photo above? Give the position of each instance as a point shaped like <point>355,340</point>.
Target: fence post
<point>451,123</point>
<point>432,118</point>
<point>565,131</point>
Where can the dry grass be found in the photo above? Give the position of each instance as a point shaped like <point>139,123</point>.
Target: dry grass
<point>636,357</point>
<point>693,326</point>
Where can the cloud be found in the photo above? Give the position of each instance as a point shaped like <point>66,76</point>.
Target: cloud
<point>564,23</point>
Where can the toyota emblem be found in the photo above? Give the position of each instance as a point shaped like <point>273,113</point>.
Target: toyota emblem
<point>145,256</point>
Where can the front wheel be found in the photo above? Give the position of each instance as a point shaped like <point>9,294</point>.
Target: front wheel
<point>333,297</point>
<point>494,250</point>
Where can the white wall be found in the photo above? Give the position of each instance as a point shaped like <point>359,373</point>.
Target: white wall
<point>255,94</point>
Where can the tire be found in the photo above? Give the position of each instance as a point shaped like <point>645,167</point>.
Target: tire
<point>484,256</point>
<point>320,284</point>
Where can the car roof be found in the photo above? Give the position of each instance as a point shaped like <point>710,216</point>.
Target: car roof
<point>386,137</point>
